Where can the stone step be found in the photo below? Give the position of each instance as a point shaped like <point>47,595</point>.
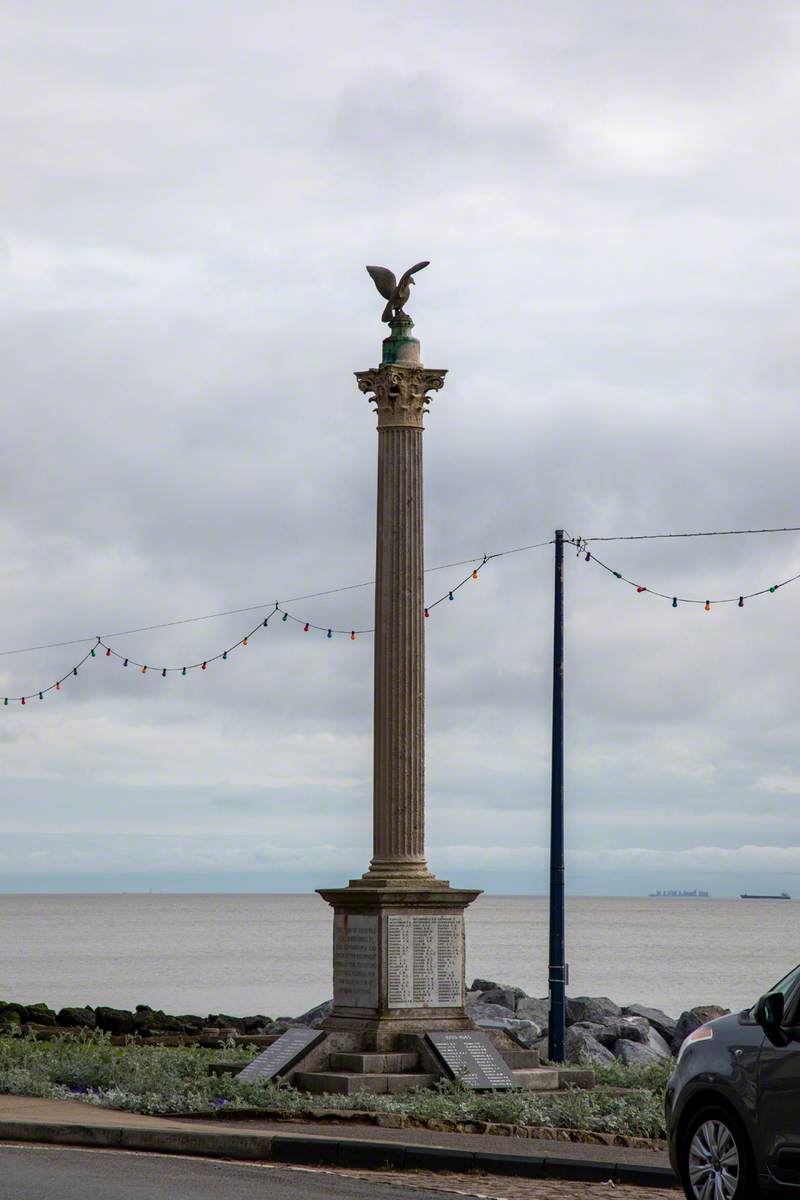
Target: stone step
<point>521,1058</point>
<point>375,1064</point>
<point>576,1077</point>
<point>347,1082</point>
<point>538,1079</point>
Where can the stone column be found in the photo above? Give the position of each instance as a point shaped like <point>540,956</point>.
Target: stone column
<point>398,936</point>
<point>399,388</point>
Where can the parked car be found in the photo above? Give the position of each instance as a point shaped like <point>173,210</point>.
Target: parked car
<point>733,1101</point>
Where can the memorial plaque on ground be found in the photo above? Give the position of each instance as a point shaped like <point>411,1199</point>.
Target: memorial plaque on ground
<point>282,1055</point>
<point>472,1058</point>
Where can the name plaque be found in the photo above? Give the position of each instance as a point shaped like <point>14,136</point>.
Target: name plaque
<point>425,961</point>
<point>355,960</point>
<point>472,1058</point>
<point>283,1054</point>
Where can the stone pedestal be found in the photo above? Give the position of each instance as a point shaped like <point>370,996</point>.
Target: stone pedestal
<point>398,931</point>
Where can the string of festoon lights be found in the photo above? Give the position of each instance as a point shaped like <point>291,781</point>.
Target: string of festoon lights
<point>101,647</point>
<point>583,548</point>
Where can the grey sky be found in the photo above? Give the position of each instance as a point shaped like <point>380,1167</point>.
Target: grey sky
<point>608,196</point>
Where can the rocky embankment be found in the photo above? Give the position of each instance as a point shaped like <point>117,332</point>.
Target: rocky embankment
<point>598,1030</point>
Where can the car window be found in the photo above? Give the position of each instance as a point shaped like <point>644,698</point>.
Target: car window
<point>789,986</point>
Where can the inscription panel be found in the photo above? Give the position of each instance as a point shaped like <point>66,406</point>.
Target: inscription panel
<point>282,1054</point>
<point>472,1058</point>
<point>355,960</point>
<point>425,961</point>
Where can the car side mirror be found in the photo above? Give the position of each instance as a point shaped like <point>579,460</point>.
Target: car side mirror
<point>769,1013</point>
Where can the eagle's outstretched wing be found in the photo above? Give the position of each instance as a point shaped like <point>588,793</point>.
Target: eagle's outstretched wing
<point>411,271</point>
<point>384,281</point>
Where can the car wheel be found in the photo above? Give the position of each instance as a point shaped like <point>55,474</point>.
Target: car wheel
<point>715,1160</point>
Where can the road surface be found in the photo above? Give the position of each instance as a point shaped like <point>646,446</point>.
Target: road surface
<point>31,1172</point>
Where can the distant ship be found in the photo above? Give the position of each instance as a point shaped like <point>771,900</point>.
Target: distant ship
<point>747,896</point>
<point>695,895</point>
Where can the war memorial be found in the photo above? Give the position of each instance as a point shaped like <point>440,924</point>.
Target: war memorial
<point>398,1018</point>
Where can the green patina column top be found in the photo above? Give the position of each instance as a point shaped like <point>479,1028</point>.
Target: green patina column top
<point>401,347</point>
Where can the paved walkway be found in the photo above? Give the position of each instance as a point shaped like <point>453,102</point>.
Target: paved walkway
<point>495,1187</point>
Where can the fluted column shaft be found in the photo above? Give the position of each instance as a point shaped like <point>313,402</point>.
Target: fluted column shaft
<point>400,389</point>
<point>399,716</point>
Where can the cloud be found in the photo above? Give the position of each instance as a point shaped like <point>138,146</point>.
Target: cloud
<point>607,200</point>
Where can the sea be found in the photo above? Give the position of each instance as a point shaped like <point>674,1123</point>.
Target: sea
<point>271,954</point>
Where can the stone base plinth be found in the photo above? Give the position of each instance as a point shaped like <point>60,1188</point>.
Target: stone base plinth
<point>398,960</point>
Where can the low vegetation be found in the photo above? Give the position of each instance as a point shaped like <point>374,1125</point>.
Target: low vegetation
<point>157,1079</point>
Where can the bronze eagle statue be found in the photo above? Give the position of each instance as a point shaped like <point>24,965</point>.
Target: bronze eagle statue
<point>395,294</point>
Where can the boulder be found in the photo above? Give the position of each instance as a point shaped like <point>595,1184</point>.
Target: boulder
<point>627,1029</point>
<point>534,1010</point>
<point>634,1054</point>
<point>223,1021</point>
<point>315,1016</point>
<point>77,1018</point>
<point>481,1012</point>
<point>508,997</point>
<point>581,1047</point>
<point>659,1020</point>
<point>595,1031</point>
<point>692,1019</point>
<point>40,1014</point>
<point>114,1020</point>
<point>256,1024</point>
<point>597,1009</point>
<point>656,1043</point>
<point>148,1022</point>
<point>483,985</point>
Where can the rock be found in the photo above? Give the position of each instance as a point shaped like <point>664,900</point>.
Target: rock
<point>148,1022</point>
<point>634,1054</point>
<point>114,1020</point>
<point>692,1019</point>
<point>534,1010</point>
<point>223,1021</point>
<point>654,1016</point>
<point>40,1014</point>
<point>12,1014</point>
<point>656,1043</point>
<point>595,1031</point>
<point>77,1018</point>
<point>315,1016</point>
<point>508,997</point>
<point>256,1024</point>
<point>581,1047</point>
<point>598,1009</point>
<point>483,985</point>
<point>489,1012</point>
<point>495,1016</point>
<point>627,1029</point>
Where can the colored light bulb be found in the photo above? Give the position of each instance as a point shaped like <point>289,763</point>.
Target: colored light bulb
<point>774,587</point>
<point>202,666</point>
<point>224,655</point>
<point>41,697</point>
<point>617,575</point>
<point>285,617</point>
<point>74,670</point>
<point>125,663</point>
<point>588,555</point>
<point>741,602</point>
<point>306,627</point>
<point>183,672</point>
<point>93,654</point>
<point>108,652</point>
<point>144,670</point>
<point>265,622</point>
<point>475,574</point>
<point>641,589</point>
<point>164,673</point>
<point>708,606</point>
<point>674,601</point>
<point>330,633</point>
<point>58,688</point>
<point>449,595</point>
<point>244,641</point>
<point>352,635</point>
<point>427,614</point>
<point>22,701</point>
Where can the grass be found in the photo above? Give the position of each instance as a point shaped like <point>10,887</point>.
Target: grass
<point>157,1079</point>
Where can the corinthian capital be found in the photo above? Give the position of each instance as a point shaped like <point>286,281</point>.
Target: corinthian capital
<point>400,393</point>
